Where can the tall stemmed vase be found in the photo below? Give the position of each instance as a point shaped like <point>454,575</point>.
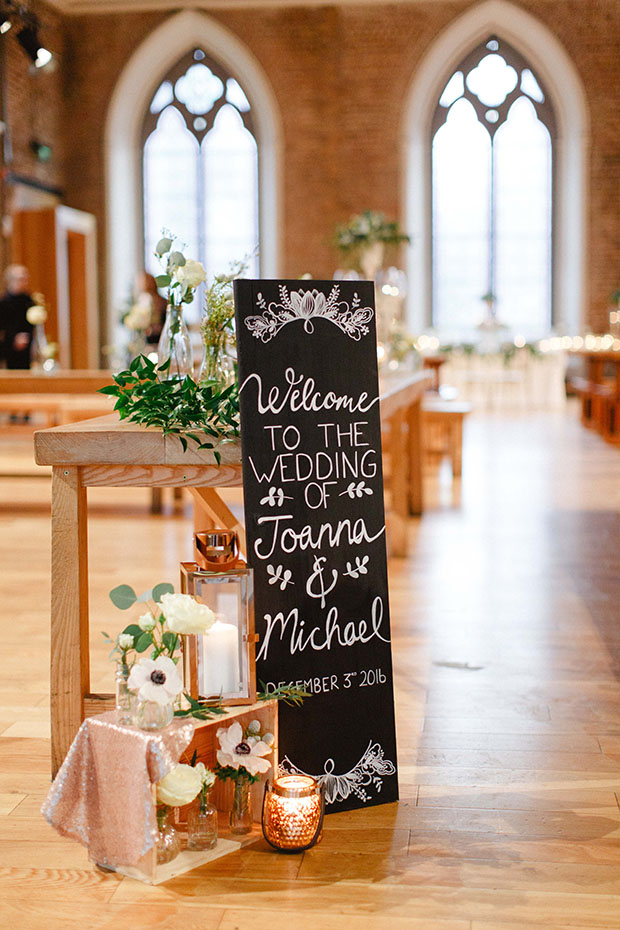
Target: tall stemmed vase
<point>174,344</point>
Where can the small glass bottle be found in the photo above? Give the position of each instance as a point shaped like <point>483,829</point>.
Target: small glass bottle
<point>202,824</point>
<point>168,841</point>
<point>124,697</point>
<point>241,812</point>
<point>175,344</point>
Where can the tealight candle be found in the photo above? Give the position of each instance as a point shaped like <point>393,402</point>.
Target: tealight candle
<point>293,813</point>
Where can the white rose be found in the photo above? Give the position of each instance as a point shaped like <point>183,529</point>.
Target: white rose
<point>125,640</point>
<point>185,615</point>
<point>36,315</point>
<point>191,273</point>
<point>146,622</point>
<point>179,787</point>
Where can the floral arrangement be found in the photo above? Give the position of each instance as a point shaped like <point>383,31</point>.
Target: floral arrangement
<point>181,276</point>
<point>159,629</point>
<point>217,325</point>
<point>241,752</point>
<point>366,229</point>
<point>180,786</point>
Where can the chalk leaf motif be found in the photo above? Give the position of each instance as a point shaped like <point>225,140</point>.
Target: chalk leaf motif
<point>356,490</point>
<point>275,497</point>
<point>307,306</point>
<point>280,575</point>
<point>360,568</point>
<point>369,772</point>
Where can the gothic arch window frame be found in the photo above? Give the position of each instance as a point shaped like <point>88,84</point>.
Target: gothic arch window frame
<point>550,60</point>
<point>151,61</point>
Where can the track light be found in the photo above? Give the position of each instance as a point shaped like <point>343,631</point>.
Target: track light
<point>27,32</point>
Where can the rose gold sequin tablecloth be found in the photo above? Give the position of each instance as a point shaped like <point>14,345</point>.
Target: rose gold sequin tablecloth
<point>102,794</point>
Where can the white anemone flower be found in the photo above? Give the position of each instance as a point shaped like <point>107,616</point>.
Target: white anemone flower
<point>155,680</point>
<point>237,752</point>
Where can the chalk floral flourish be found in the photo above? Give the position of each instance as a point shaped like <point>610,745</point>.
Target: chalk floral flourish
<point>307,306</point>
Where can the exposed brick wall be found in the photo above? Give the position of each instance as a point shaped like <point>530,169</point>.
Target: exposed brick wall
<point>340,76</point>
<point>35,106</point>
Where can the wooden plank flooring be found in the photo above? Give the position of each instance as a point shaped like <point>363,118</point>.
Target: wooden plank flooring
<point>506,620</point>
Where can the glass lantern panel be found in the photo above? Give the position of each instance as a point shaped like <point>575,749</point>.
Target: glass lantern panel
<point>223,666</point>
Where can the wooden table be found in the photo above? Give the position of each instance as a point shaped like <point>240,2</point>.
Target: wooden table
<point>597,360</point>
<point>108,452</point>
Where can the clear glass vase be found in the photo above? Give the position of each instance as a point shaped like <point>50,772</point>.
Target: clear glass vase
<point>216,364</point>
<point>124,697</point>
<point>241,812</point>
<point>175,344</point>
<point>168,842</point>
<point>39,348</point>
<point>149,715</point>
<point>202,824</point>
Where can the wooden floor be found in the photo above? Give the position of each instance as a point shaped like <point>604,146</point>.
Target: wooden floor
<point>506,620</point>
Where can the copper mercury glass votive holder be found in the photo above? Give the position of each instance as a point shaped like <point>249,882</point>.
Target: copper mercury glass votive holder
<point>293,810</point>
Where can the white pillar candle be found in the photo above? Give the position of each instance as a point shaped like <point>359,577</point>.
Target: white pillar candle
<point>220,664</point>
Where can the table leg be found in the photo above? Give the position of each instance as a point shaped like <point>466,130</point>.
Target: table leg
<point>414,422</point>
<point>70,666</point>
<point>399,507</point>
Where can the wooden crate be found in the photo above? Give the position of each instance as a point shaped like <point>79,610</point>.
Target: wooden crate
<point>206,745</point>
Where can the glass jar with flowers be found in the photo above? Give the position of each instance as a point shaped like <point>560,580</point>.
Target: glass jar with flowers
<point>181,277</point>
<point>202,815</point>
<point>176,789</point>
<point>217,328</point>
<point>155,680</point>
<point>240,759</point>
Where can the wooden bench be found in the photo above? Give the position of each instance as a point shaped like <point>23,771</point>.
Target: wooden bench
<point>57,409</point>
<point>442,429</point>
<point>596,399</point>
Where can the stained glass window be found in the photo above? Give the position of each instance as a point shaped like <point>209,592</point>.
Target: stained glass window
<point>493,131</point>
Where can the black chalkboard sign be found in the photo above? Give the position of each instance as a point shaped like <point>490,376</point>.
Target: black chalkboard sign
<point>315,524</point>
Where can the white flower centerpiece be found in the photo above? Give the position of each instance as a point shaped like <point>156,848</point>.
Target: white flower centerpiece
<point>180,278</point>
<point>241,759</point>
<point>155,680</point>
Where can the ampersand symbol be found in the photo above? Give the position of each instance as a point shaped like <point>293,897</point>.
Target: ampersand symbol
<point>317,572</point>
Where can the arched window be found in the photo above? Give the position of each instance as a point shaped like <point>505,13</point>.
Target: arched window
<point>200,166</point>
<point>492,141</point>
<point>154,58</point>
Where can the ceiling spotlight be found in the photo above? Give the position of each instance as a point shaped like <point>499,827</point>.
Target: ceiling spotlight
<point>5,26</point>
<point>44,56</point>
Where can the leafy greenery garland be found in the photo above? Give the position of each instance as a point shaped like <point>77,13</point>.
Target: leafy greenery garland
<point>177,406</point>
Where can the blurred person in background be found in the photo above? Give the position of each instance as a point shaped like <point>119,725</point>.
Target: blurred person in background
<point>15,330</point>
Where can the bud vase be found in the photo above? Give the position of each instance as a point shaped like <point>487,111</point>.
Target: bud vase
<point>39,348</point>
<point>124,697</point>
<point>241,812</point>
<point>174,344</point>
<point>202,824</point>
<point>168,841</point>
<point>149,715</point>
<point>216,365</point>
